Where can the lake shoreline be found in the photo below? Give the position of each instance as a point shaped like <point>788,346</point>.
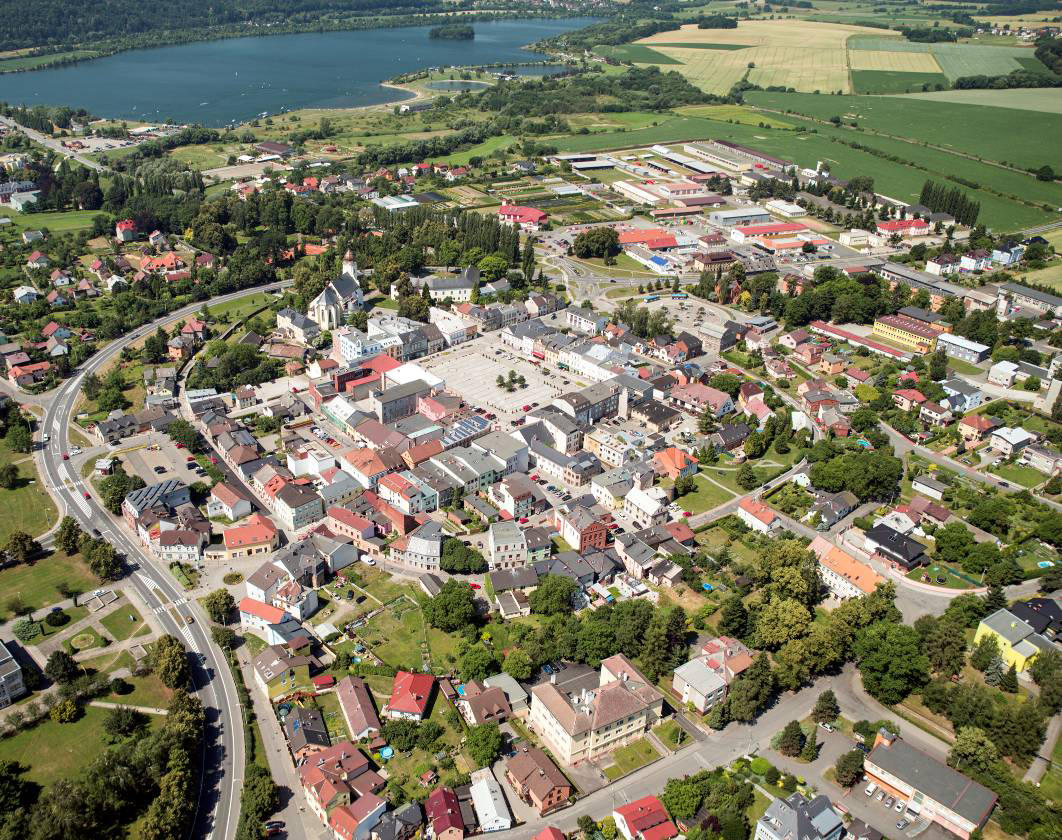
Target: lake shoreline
<point>229,82</point>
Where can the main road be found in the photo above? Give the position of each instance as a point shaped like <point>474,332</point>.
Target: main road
<point>217,807</point>
<point>53,144</point>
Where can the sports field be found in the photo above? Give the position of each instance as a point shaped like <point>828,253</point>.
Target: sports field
<point>975,129</point>
<point>1048,100</point>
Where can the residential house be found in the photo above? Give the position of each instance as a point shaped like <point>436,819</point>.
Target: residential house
<point>279,673</point>
<point>1044,458</point>
<point>443,811</point>
<point>228,502</point>
<point>1011,440</point>
<point>934,414</point>
<point>537,780</point>
<point>410,695</point>
<point>831,508</point>
<point>674,463</point>
<point>355,701</point>
<point>758,516</point>
<point>645,507</point>
<point>593,721</point>
<point>842,574</point>
<point>580,528</point>
<point>479,705</point>
<point>644,819</point>
<point>705,679</point>
<point>258,535</point>
<point>306,731</point>
<point>976,426</point>
<point>892,547</point>
<point>796,816</point>
<point>488,801</point>
<point>506,544</point>
<point>1019,641</point>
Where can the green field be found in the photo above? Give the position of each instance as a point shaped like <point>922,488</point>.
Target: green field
<point>706,497</point>
<point>1025,99</point>
<point>29,62</point>
<point>630,757</point>
<point>481,150</point>
<point>27,507</point>
<point>955,60</point>
<point>986,132</point>
<point>703,46</point>
<point>892,81</point>
<point>635,53</point>
<point>37,584</point>
<point>119,625</point>
<point>54,220</point>
<point>54,751</point>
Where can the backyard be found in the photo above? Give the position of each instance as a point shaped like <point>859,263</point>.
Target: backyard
<point>707,496</point>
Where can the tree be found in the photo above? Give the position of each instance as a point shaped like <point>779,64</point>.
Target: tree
<point>518,664</point>
<point>224,637</point>
<point>122,721</point>
<point>849,768</point>
<point>826,709</point>
<point>65,711</point>
<point>810,751</point>
<point>62,668</point>
<point>553,595</point>
<point>484,744</point>
<point>21,546</point>
<point>781,620</point>
<point>453,608</point>
<point>746,477</point>
<point>8,476</point>
<point>734,617</point>
<point>891,661</point>
<point>985,653</point>
<point>953,542</point>
<point>945,646</point>
<point>1009,683</point>
<point>792,741</point>
<point>219,605</point>
<point>183,432</point>
<point>169,662</point>
<point>995,599</point>
<point>260,796</point>
<point>19,439</point>
<point>751,691</point>
<point>608,828</point>
<point>973,750</point>
<point>68,536</point>
<point>587,826</point>
<point>477,663</point>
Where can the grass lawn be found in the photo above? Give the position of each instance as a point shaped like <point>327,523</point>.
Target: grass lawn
<point>396,636</point>
<point>333,716</point>
<point>56,221</point>
<point>960,366</point>
<point>377,583</point>
<point>1051,784</point>
<point>54,751</point>
<point>38,584</point>
<point>86,639</point>
<point>671,734</point>
<point>254,645</point>
<point>125,622</point>
<point>630,757</point>
<point>27,507</point>
<point>760,803</point>
<point>233,310</point>
<point>705,497</point>
<point>1018,474</point>
<point>147,691</point>
<point>949,573</point>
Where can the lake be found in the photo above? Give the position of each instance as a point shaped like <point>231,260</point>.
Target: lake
<point>233,80</point>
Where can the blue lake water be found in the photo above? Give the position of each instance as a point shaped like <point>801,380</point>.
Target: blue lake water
<point>218,82</point>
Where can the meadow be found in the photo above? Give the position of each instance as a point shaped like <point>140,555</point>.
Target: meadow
<point>895,81</point>
<point>1046,100</point>
<point>979,130</point>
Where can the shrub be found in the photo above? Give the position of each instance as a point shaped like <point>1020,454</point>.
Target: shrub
<point>760,765</point>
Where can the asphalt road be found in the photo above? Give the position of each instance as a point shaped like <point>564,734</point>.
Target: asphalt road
<point>217,808</point>
<point>53,144</point>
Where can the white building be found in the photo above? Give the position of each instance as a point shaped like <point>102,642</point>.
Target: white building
<point>645,507</point>
<point>488,801</point>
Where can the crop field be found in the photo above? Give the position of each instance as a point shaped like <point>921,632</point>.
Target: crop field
<point>974,129</point>
<point>889,81</point>
<point>711,71</point>
<point>767,33</point>
<point>702,45</point>
<point>895,61</point>
<point>635,52</point>
<point>733,113</point>
<point>823,69</point>
<point>1046,100</point>
<point>954,60</point>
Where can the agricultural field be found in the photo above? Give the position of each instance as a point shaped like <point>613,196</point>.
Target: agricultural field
<point>636,53</point>
<point>986,132</point>
<point>953,60</point>
<point>894,61</point>
<point>894,81</point>
<point>1046,100</point>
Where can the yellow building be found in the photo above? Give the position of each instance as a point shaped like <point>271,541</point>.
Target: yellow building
<point>907,332</point>
<point>1019,643</point>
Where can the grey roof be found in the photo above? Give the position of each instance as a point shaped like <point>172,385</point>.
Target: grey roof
<point>932,483</point>
<point>1042,297</point>
<point>1007,625</point>
<point>949,787</point>
<point>522,577</point>
<point>796,817</point>
<point>895,543</point>
<point>414,386</point>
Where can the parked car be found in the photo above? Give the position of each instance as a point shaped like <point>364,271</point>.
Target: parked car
<point>902,824</point>
<point>827,726</point>
<point>900,805</point>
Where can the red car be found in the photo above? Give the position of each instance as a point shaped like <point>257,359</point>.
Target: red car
<point>179,445</point>
<point>66,457</point>
<point>534,477</point>
<point>475,585</point>
<point>686,513</point>
<point>523,520</point>
<point>87,496</point>
<point>527,408</point>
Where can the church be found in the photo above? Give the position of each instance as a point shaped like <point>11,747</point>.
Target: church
<point>339,298</point>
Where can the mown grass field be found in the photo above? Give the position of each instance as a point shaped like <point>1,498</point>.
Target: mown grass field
<point>1025,99</point>
<point>894,81</point>
<point>27,507</point>
<point>635,52</point>
<point>986,132</point>
<point>56,221</point>
<point>37,584</point>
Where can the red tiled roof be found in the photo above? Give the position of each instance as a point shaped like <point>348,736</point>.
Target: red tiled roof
<point>261,610</point>
<point>410,692</point>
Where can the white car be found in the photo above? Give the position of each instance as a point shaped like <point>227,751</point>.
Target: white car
<point>75,450</point>
<point>368,561</point>
<point>46,437</point>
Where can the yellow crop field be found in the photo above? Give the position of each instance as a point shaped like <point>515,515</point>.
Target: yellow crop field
<point>901,62</point>
<point>713,71</point>
<point>774,33</point>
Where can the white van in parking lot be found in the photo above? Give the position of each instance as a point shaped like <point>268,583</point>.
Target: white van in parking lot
<point>870,789</point>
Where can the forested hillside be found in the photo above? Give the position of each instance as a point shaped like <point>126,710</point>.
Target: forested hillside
<point>36,23</point>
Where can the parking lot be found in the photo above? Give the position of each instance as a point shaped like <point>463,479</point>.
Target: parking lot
<point>154,457</point>
<point>471,371</point>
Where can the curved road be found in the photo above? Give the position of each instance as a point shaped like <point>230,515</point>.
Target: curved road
<point>217,808</point>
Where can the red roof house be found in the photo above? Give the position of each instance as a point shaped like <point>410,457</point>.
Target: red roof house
<point>644,819</point>
<point>528,218</point>
<point>410,695</point>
